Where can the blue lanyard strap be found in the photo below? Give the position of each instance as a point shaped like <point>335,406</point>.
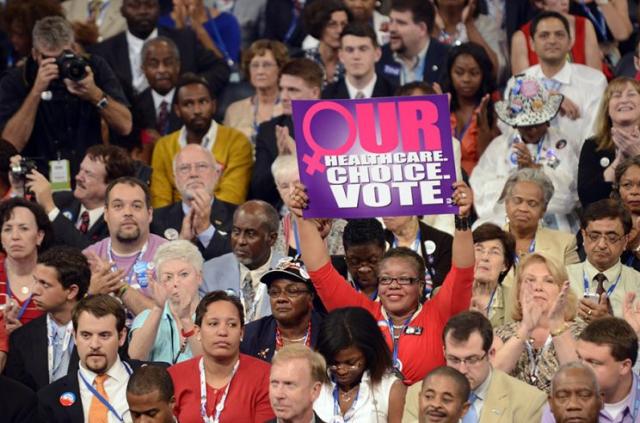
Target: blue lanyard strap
<point>396,342</point>
<point>532,248</point>
<point>129,277</point>
<point>612,288</point>
<point>599,21</point>
<point>336,404</point>
<point>102,399</point>
<point>429,260</point>
<point>9,293</point>
<point>491,301</point>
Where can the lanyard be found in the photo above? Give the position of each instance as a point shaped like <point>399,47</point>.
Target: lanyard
<point>102,399</point>
<point>293,24</point>
<point>612,288</point>
<point>52,335</point>
<point>203,394</point>
<point>493,294</point>
<point>396,341</point>
<point>296,236</point>
<point>460,133</point>
<point>133,266</point>
<point>599,22</point>
<point>183,342</point>
<point>218,40</point>
<point>534,361</point>
<point>532,248</point>
<point>9,293</point>
<point>336,406</point>
<point>305,341</point>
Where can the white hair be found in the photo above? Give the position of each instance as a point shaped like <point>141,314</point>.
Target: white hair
<point>282,164</point>
<point>178,250</point>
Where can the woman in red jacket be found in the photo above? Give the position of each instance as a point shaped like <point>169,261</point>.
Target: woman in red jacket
<point>413,330</point>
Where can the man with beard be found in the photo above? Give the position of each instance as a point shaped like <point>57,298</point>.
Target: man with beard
<point>119,263</point>
<point>292,319</point>
<point>61,279</point>
<point>199,216</point>
<point>77,217</point>
<point>230,147</point>
<point>412,55</point>
<point>254,232</point>
<point>96,392</point>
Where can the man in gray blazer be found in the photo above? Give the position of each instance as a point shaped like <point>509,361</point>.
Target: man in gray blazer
<point>253,234</point>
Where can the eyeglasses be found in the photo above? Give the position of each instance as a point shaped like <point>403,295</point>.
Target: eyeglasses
<point>494,251</point>
<point>609,237</point>
<point>263,65</point>
<point>402,280</point>
<point>347,367</point>
<point>469,361</point>
<point>290,291</point>
<point>185,168</point>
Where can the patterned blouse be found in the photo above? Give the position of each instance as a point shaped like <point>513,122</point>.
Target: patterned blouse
<point>545,357</point>
<point>314,54</point>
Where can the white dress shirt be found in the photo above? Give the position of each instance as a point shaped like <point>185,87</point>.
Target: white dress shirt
<point>367,90</point>
<point>207,141</point>
<point>138,80</point>
<point>115,386</point>
<point>584,86</point>
<point>158,99</point>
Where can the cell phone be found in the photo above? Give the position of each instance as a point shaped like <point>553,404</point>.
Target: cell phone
<point>592,296</point>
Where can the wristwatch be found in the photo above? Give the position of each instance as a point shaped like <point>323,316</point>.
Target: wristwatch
<point>103,102</point>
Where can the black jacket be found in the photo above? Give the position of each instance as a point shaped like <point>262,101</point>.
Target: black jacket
<point>64,225</point>
<point>27,361</point>
<point>338,90</point>
<point>19,403</point>
<point>171,216</point>
<point>144,114</point>
<point>263,187</point>
<point>434,66</point>
<point>193,58</point>
<point>260,336</point>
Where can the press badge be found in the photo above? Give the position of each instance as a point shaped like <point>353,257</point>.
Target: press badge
<point>60,175</point>
<point>413,330</point>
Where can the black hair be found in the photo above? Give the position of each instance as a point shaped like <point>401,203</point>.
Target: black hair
<point>100,305</point>
<point>190,78</point>
<point>150,378</point>
<point>360,29</point>
<point>317,15</point>
<point>363,231</point>
<point>488,232</point>
<point>411,256</point>
<point>214,297</point>
<point>463,325</point>
<point>487,85</point>
<point>7,150</point>
<point>71,266</point>
<point>464,387</point>
<point>355,327</point>
<point>607,208</point>
<point>617,334</point>
<point>408,88</point>
<point>42,220</point>
<point>422,11</point>
<point>548,14</point>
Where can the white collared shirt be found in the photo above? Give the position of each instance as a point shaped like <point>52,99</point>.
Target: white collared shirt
<point>259,288</point>
<point>481,394</point>
<point>367,90</point>
<point>584,86</point>
<point>115,386</point>
<point>94,215</point>
<point>629,281</point>
<point>158,99</point>
<point>207,141</point>
<point>138,80</point>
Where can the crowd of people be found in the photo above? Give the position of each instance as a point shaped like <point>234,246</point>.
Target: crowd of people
<point>156,263</point>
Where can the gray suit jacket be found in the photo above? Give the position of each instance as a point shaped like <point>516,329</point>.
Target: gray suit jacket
<point>112,22</point>
<point>223,274</point>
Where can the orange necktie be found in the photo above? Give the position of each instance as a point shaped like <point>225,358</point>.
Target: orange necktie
<point>98,412</point>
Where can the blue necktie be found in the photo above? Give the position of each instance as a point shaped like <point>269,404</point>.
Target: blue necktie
<point>472,415</point>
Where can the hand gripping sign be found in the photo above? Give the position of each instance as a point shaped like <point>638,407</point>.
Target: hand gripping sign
<point>375,157</point>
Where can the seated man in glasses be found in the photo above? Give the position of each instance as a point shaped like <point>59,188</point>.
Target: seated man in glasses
<point>293,320</point>
<point>601,280</point>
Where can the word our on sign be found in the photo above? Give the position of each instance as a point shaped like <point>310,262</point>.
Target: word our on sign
<point>375,157</point>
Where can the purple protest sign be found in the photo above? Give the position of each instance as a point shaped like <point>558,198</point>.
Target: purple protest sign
<point>375,157</point>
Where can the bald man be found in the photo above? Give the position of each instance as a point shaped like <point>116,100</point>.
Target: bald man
<point>253,234</point>
<point>575,395</point>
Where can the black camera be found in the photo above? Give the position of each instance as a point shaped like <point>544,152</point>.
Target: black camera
<point>71,66</point>
<point>19,174</point>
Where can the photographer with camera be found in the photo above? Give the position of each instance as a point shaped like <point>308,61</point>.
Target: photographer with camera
<point>53,106</point>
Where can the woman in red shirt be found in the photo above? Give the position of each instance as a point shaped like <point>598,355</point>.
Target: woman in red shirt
<point>413,331</point>
<point>222,385</point>
<point>26,230</point>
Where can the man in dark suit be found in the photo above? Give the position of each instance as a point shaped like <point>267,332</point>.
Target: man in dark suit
<point>153,112</point>
<point>43,350</point>
<point>99,330</point>
<point>412,55</point>
<point>199,216</point>
<point>359,52</point>
<point>77,217</point>
<point>295,382</point>
<point>300,79</point>
<point>284,22</point>
<point>123,51</point>
<point>18,402</point>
